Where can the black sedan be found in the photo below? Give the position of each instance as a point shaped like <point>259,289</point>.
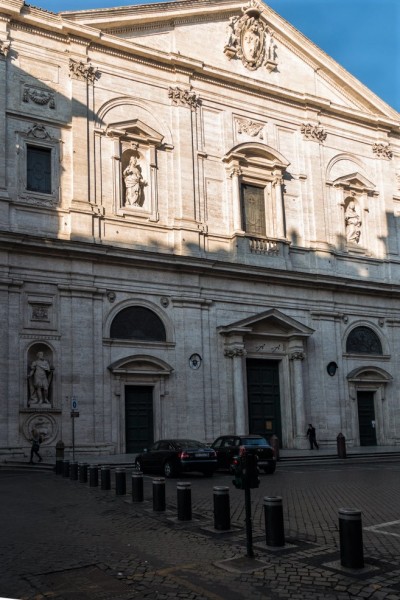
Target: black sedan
<point>173,457</point>
<point>228,447</point>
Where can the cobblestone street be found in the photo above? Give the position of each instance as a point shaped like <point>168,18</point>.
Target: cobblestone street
<point>64,540</point>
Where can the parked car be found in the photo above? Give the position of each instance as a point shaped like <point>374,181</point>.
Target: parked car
<point>173,457</point>
<point>227,449</point>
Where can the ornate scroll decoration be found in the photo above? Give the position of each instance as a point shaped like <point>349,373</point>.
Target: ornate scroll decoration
<point>38,96</point>
<point>83,72</point>
<point>251,40</point>
<point>297,356</point>
<point>382,151</point>
<point>39,132</point>
<point>233,352</point>
<point>187,98</point>
<point>252,128</point>
<point>4,47</point>
<point>313,132</point>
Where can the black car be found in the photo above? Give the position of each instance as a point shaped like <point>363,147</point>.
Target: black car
<point>173,457</point>
<point>227,448</point>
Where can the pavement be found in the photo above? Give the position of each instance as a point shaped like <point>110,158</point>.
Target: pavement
<point>64,540</point>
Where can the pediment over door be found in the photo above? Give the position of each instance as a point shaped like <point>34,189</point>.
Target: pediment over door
<point>140,365</point>
<point>269,326</point>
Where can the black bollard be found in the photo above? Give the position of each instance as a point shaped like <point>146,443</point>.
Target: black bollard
<point>159,494</point>
<point>59,466</point>
<point>184,500</point>
<point>105,478</point>
<point>274,529</point>
<point>222,510</point>
<point>137,486</point>
<point>341,446</point>
<point>73,470</point>
<point>120,482</point>
<point>82,472</point>
<point>65,468</point>
<point>351,542</point>
<point>93,475</point>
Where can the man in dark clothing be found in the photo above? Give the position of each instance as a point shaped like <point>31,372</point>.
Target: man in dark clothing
<point>36,441</point>
<point>312,438</point>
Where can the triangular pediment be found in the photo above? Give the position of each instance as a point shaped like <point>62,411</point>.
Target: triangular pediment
<point>199,34</point>
<point>270,322</point>
<point>355,180</point>
<point>135,129</point>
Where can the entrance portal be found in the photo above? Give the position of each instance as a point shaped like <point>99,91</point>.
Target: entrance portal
<point>138,417</point>
<point>264,397</point>
<point>366,418</point>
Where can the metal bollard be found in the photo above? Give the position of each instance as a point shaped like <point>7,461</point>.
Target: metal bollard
<point>73,470</point>
<point>120,482</point>
<point>341,446</point>
<point>93,475</point>
<point>65,468</point>
<point>82,472</point>
<point>222,510</point>
<point>159,494</point>
<point>137,486</point>
<point>351,542</point>
<point>105,478</point>
<point>184,500</point>
<point>59,466</point>
<point>273,514</point>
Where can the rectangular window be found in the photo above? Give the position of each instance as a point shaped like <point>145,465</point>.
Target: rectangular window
<point>253,206</point>
<point>38,163</point>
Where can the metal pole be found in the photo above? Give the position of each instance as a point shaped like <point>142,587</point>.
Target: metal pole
<point>137,486</point>
<point>249,532</point>
<point>273,515</point>
<point>351,541</point>
<point>159,494</point>
<point>184,501</point>
<point>73,438</point>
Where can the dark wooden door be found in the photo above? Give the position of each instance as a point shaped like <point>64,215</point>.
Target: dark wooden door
<point>264,397</point>
<point>366,418</point>
<point>138,418</point>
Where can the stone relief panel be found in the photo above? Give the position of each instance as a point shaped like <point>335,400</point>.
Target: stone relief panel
<point>187,98</point>
<point>45,424</point>
<point>40,376</point>
<point>382,151</point>
<point>134,182</point>
<point>250,39</point>
<point>249,128</point>
<point>38,96</point>
<point>313,132</point>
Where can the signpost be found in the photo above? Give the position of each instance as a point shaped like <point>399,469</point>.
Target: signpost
<point>74,415</point>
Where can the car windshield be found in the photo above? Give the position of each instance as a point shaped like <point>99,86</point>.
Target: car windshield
<point>253,442</point>
<point>188,444</point>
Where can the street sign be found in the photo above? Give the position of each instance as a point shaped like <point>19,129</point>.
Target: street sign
<point>74,404</point>
<point>74,413</point>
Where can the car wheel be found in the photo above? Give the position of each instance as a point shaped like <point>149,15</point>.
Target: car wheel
<point>269,470</point>
<point>169,469</point>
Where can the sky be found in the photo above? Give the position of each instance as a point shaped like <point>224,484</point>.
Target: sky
<point>363,36</point>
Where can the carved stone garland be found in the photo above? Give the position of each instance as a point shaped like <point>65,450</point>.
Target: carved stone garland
<point>251,40</point>
<point>38,96</point>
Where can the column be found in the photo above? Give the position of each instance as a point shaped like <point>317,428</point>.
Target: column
<point>236,209</point>
<point>298,392</point>
<point>237,352</point>
<point>280,219</point>
<point>4,48</point>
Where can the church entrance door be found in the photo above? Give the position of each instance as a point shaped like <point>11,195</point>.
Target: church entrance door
<point>138,417</point>
<point>366,418</point>
<point>264,397</point>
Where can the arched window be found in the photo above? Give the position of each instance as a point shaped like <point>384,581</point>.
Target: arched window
<point>138,323</point>
<point>362,340</point>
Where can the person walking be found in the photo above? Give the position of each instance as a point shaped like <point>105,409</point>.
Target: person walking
<point>36,441</point>
<point>312,437</point>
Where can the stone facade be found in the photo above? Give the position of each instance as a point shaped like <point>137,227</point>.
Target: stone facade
<point>199,231</point>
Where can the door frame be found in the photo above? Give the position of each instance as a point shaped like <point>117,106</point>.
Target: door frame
<point>278,368</point>
<point>361,391</point>
<point>123,419</point>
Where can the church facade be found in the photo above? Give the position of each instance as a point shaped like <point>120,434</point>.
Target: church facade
<point>199,232</point>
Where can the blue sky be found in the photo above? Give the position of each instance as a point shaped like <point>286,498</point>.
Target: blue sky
<point>361,35</point>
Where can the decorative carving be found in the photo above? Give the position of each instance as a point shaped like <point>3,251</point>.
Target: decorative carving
<point>250,39</point>
<point>164,301</point>
<point>313,132</point>
<point>234,352</point>
<point>382,151</point>
<point>252,128</point>
<point>40,377</point>
<point>353,223</point>
<point>45,424</point>
<point>111,297</point>
<point>187,98</point>
<point>259,246</point>
<point>40,312</point>
<point>38,131</point>
<point>134,182</point>
<point>38,96</point>
<point>83,72</point>
<point>297,356</point>
<point>4,47</point>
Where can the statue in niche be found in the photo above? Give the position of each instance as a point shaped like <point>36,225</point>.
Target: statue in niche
<point>353,223</point>
<point>134,183</point>
<point>39,379</point>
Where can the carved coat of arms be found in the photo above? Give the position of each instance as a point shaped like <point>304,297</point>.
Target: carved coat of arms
<point>250,39</point>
